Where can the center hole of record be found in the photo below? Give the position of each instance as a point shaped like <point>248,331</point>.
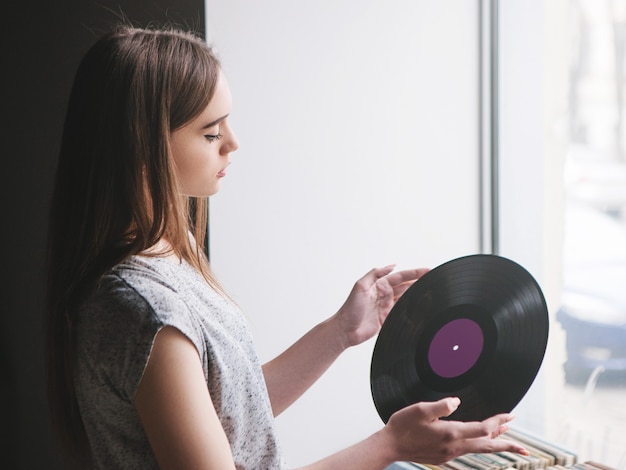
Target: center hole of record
<point>455,348</point>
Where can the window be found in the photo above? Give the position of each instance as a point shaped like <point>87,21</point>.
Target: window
<point>563,129</point>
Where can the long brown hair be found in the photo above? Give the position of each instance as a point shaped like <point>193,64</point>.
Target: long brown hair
<point>116,192</point>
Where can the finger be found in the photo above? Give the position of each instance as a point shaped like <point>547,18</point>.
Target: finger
<point>372,276</point>
<point>502,428</point>
<point>489,446</point>
<point>441,408</point>
<point>489,428</point>
<point>401,289</point>
<point>382,272</point>
<point>409,275</point>
<point>504,445</point>
<point>376,273</point>
<point>498,423</point>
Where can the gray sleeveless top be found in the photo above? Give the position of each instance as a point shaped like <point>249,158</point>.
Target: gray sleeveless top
<point>115,330</point>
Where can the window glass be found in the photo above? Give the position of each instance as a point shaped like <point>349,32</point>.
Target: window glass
<point>593,301</point>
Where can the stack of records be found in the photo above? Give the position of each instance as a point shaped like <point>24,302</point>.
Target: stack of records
<point>543,455</point>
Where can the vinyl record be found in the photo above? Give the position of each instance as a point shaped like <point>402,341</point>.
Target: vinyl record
<point>475,327</point>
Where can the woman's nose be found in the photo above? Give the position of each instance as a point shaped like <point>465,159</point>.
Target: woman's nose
<point>229,142</point>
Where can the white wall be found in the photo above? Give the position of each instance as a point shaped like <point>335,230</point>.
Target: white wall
<point>358,124</point>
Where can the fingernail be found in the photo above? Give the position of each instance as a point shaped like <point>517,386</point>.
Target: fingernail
<point>456,401</point>
<point>523,451</point>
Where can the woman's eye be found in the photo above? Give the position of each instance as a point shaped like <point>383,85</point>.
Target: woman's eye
<point>213,137</point>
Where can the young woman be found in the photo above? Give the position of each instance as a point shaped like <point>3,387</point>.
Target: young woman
<point>150,363</point>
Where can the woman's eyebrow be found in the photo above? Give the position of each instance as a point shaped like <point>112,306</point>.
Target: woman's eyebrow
<point>213,123</point>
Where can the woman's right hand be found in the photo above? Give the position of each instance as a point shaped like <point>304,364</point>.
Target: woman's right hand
<point>416,433</point>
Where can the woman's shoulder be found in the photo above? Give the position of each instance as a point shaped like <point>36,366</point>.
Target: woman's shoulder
<point>138,290</point>
<point>129,305</point>
<point>152,271</point>
<point>115,326</point>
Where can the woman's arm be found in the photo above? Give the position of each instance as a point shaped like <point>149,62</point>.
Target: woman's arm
<point>176,409</point>
<point>289,375</point>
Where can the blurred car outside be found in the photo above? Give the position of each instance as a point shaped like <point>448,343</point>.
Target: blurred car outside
<point>593,310</point>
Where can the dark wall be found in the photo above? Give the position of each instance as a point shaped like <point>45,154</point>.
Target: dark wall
<point>42,42</point>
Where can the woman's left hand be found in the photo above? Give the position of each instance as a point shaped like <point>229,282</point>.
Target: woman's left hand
<point>371,300</point>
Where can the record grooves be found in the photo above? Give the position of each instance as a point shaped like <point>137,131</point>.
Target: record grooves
<point>475,327</point>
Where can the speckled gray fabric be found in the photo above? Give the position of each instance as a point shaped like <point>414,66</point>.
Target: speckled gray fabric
<point>115,331</point>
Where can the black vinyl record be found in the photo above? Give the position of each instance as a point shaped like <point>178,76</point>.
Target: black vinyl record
<point>475,327</point>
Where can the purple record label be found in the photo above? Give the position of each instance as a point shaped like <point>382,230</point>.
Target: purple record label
<point>455,348</point>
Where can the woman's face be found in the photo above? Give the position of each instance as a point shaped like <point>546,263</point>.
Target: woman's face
<point>202,147</point>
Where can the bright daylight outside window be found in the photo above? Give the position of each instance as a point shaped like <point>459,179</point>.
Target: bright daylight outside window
<point>593,310</point>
